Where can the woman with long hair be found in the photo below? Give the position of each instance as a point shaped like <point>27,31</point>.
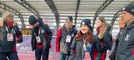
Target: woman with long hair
<point>85,42</point>
<point>102,29</point>
<point>10,34</point>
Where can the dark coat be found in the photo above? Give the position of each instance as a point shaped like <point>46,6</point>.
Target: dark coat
<point>45,35</point>
<point>78,45</point>
<point>126,44</point>
<point>5,45</point>
<point>106,44</point>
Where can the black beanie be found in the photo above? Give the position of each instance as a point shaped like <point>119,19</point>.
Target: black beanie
<point>129,9</point>
<point>32,20</point>
<point>87,22</point>
<point>70,18</point>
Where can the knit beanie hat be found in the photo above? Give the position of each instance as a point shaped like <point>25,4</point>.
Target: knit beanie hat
<point>32,20</point>
<point>87,22</point>
<point>129,9</point>
<point>70,18</point>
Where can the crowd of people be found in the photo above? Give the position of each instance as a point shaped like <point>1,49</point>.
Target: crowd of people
<point>71,44</point>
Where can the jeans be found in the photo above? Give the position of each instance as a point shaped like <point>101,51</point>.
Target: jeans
<point>64,57</point>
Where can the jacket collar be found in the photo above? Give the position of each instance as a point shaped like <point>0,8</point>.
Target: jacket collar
<point>64,28</point>
<point>131,26</point>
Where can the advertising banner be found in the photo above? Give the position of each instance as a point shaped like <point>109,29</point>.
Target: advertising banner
<point>25,51</point>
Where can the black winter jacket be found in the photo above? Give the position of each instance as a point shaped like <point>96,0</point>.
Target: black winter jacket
<point>45,35</point>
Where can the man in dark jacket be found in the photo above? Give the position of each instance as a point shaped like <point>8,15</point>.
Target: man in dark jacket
<point>125,50</point>
<point>41,38</point>
<point>64,38</point>
<point>10,34</point>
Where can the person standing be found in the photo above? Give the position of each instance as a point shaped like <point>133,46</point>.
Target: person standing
<point>10,34</point>
<point>41,38</point>
<point>116,40</point>
<point>102,29</point>
<point>85,43</point>
<point>125,49</point>
<point>64,38</point>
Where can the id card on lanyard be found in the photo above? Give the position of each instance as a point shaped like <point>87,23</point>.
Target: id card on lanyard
<point>9,35</point>
<point>68,38</point>
<point>84,45</point>
<point>87,54</point>
<point>38,39</point>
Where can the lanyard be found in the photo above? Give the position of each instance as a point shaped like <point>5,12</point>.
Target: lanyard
<point>86,45</point>
<point>8,30</point>
<point>38,32</point>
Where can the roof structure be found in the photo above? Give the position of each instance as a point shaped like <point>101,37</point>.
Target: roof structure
<point>54,12</point>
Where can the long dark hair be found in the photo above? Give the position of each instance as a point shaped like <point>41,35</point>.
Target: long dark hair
<point>89,36</point>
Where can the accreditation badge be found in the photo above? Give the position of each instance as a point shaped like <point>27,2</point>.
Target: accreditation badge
<point>10,37</point>
<point>38,39</point>
<point>87,56</point>
<point>68,38</point>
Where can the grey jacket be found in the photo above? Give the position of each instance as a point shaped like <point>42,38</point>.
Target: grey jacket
<point>78,45</point>
<point>126,44</point>
<point>61,41</point>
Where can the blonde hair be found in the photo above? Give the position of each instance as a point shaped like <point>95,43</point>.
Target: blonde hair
<point>4,18</point>
<point>103,28</point>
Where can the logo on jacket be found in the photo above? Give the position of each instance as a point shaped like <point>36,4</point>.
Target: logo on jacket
<point>127,37</point>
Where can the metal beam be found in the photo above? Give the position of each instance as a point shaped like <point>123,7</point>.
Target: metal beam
<point>28,7</point>
<point>77,9</point>
<point>118,13</point>
<point>0,14</point>
<point>54,10</point>
<point>102,7</point>
<point>10,9</point>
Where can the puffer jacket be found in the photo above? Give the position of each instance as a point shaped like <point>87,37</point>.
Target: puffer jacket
<point>61,37</point>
